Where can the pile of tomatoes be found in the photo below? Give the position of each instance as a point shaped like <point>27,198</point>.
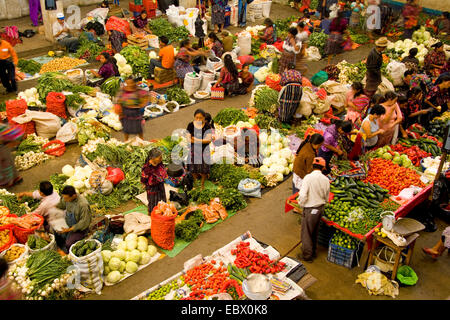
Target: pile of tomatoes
<point>256,261</point>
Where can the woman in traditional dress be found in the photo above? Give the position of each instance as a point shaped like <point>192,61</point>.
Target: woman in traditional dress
<point>291,47</point>
<point>218,14</point>
<point>153,175</point>
<point>183,59</point>
<point>290,94</point>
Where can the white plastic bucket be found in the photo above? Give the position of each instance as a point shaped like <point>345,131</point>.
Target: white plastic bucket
<point>207,77</point>
<point>153,41</point>
<point>191,84</point>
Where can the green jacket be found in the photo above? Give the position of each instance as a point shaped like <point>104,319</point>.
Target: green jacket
<point>80,207</point>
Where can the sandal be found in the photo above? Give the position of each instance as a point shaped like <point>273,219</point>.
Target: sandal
<point>430,253</point>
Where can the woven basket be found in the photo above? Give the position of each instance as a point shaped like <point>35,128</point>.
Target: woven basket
<point>217,93</point>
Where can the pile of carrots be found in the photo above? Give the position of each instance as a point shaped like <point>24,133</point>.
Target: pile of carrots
<point>391,176</point>
<point>206,279</point>
<point>251,112</point>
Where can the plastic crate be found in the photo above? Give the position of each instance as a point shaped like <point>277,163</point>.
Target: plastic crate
<point>135,8</point>
<point>325,234</point>
<point>344,257</point>
<point>150,5</point>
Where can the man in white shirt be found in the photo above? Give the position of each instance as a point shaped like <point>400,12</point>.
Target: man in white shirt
<point>61,32</point>
<point>313,196</point>
<point>49,200</point>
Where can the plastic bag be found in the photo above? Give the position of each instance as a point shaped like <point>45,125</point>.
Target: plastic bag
<point>313,54</point>
<point>246,59</point>
<point>409,193</point>
<point>254,191</point>
<point>307,102</point>
<point>396,70</point>
<point>407,276</point>
<point>261,74</point>
<point>137,222</point>
<point>261,62</point>
<point>76,76</point>
<point>377,283</point>
<point>47,124</point>
<point>68,133</point>
<point>319,78</point>
<point>225,151</point>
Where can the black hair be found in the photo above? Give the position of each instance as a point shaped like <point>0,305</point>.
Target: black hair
<point>408,73</point>
<point>315,138</point>
<point>377,109</point>
<point>268,22</point>
<point>437,45</point>
<point>164,39</point>
<point>442,78</point>
<point>142,12</point>
<point>403,99</point>
<point>113,61</point>
<point>208,118</point>
<point>301,25</point>
<point>446,14</point>
<point>245,65</point>
<point>153,153</point>
<point>317,167</point>
<point>340,16</point>
<point>359,88</point>
<point>184,43</point>
<point>413,52</point>
<point>201,111</point>
<point>46,188</point>
<point>3,267</point>
<point>231,67</point>
<point>390,95</point>
<point>68,191</point>
<point>412,92</point>
<point>293,31</point>
<point>326,15</point>
<point>376,99</point>
<point>346,126</point>
<point>214,36</point>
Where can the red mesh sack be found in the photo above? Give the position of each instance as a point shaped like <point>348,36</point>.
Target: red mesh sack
<point>163,230</point>
<point>274,84</point>
<point>115,23</point>
<point>22,234</point>
<point>11,240</point>
<point>55,104</point>
<point>246,59</point>
<point>15,108</point>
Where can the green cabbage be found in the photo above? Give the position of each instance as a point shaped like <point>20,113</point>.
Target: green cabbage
<point>151,250</point>
<point>114,277</point>
<point>131,267</point>
<point>114,263</point>
<point>106,255</point>
<point>145,258</point>
<point>119,254</point>
<point>122,266</point>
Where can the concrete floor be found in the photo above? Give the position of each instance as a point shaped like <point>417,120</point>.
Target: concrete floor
<point>265,218</point>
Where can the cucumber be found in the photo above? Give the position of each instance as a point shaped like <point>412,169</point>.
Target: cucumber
<point>337,191</point>
<point>355,192</point>
<point>347,199</point>
<point>236,278</point>
<point>380,197</point>
<point>373,202</point>
<point>360,183</point>
<point>371,187</point>
<point>372,196</point>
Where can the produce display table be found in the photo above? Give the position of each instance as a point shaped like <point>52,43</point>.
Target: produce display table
<point>294,275</point>
<point>401,212</point>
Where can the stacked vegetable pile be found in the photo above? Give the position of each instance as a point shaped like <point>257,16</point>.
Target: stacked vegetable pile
<point>61,64</point>
<point>230,116</point>
<point>44,276</point>
<point>178,95</point>
<point>30,153</point>
<point>162,27</point>
<point>137,59</point>
<point>29,66</point>
<point>391,176</point>
<point>131,253</point>
<point>19,208</point>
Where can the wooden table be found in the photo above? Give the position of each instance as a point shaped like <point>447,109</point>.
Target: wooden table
<point>410,242</point>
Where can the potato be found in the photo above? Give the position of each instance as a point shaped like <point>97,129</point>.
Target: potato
<point>13,253</point>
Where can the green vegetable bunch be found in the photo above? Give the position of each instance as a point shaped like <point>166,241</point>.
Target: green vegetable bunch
<point>111,86</point>
<point>319,40</point>
<point>88,50</point>
<point>52,82</point>
<point>74,101</point>
<point>138,59</point>
<point>35,242</point>
<point>27,145</point>
<point>162,27</point>
<point>178,94</point>
<point>266,100</point>
<point>58,181</point>
<point>266,122</point>
<point>228,175</point>
<point>230,198</point>
<point>29,66</point>
<point>229,116</point>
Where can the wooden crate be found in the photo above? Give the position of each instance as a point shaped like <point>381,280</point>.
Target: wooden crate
<point>164,75</point>
<point>140,42</point>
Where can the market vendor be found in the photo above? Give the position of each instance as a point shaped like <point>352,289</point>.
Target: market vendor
<point>140,24</point>
<point>390,121</point>
<point>410,61</point>
<point>270,33</point>
<point>108,69</point>
<point>335,41</point>
<point>435,60</point>
<point>304,157</point>
<point>117,39</point>
<point>331,136</point>
<point>291,47</point>
<point>373,65</point>
<point>153,175</point>
<point>132,101</point>
<point>438,97</point>
<point>78,218</point>
<point>215,44</point>
<point>312,197</point>
<point>229,77</point>
<point>439,248</point>
<point>442,24</point>
<point>8,66</point>
<point>247,147</point>
<point>357,8</point>
<point>183,58</point>
<point>247,79</point>
<point>48,196</point>
<point>369,127</point>
<point>357,101</point>
<point>199,135</point>
<point>413,109</point>
<point>290,94</point>
<point>9,137</point>
<point>61,33</point>
<point>325,23</point>
<point>166,55</point>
